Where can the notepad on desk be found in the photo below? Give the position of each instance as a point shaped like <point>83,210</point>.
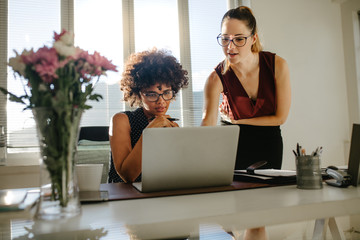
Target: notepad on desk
<point>275,176</point>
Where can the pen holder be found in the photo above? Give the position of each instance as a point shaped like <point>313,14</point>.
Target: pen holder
<point>308,172</point>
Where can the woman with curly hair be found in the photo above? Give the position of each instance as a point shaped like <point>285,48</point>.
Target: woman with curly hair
<point>150,82</point>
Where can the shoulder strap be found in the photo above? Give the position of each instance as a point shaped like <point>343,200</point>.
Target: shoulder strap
<point>269,60</point>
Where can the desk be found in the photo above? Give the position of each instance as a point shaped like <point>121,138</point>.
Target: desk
<point>181,216</point>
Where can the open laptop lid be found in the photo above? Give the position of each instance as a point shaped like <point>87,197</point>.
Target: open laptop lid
<point>354,156</point>
<point>189,157</point>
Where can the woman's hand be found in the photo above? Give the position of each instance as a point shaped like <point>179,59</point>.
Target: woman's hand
<point>226,114</point>
<point>162,121</point>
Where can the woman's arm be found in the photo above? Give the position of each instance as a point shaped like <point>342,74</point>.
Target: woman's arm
<point>212,91</point>
<point>283,98</point>
<point>127,160</point>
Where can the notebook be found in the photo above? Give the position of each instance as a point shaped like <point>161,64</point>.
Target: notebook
<point>188,157</point>
<point>354,156</point>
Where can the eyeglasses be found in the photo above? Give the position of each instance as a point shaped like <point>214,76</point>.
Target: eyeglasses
<point>154,97</point>
<point>224,41</point>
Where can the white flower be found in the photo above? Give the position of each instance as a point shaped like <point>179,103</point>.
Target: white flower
<point>67,38</point>
<point>17,64</point>
<point>64,49</point>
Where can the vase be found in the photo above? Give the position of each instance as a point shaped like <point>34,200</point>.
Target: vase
<point>58,130</point>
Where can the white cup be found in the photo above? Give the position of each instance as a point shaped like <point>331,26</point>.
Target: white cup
<point>89,176</point>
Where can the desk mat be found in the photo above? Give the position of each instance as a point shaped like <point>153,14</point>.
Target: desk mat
<point>124,191</point>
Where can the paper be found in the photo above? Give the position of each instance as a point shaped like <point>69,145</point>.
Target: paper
<point>244,173</point>
<point>270,172</point>
<point>271,176</point>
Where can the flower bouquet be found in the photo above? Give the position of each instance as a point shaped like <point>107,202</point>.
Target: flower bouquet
<point>58,80</point>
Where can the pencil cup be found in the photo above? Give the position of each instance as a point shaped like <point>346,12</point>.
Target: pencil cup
<point>308,172</point>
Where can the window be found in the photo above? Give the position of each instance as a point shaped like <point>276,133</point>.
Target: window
<point>205,18</point>
<point>29,26</point>
<point>115,29</point>
<point>98,27</point>
<point>156,25</point>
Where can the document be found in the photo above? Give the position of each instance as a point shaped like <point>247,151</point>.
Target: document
<point>275,176</point>
<point>270,172</point>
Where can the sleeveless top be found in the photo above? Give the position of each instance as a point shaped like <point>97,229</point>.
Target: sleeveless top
<point>138,122</point>
<point>235,98</point>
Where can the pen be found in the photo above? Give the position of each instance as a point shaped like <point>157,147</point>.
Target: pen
<point>298,149</point>
<point>173,119</point>
<point>295,153</point>
<point>320,151</point>
<point>303,153</point>
<point>314,153</point>
<point>170,119</point>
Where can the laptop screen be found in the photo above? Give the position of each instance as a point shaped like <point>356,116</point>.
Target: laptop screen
<point>188,157</point>
<point>354,156</point>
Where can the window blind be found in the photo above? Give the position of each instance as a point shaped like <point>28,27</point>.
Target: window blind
<point>31,24</point>
<point>205,20</point>
<point>3,60</point>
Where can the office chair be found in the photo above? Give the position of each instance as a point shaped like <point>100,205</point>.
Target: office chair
<point>94,133</point>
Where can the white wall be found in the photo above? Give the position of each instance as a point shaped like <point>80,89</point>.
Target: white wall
<point>351,38</point>
<point>308,34</point>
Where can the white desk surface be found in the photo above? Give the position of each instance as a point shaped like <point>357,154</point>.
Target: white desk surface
<point>181,216</point>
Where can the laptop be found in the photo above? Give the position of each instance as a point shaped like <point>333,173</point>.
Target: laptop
<point>354,156</point>
<point>188,157</point>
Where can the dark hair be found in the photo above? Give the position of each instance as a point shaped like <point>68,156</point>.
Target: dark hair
<point>147,68</point>
<point>245,14</point>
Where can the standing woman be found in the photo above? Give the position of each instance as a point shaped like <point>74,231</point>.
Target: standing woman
<point>255,86</point>
<point>150,82</point>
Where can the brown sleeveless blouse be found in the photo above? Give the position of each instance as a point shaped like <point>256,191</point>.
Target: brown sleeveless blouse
<point>235,98</point>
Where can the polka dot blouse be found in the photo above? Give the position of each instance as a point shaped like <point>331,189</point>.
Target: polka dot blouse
<point>138,122</point>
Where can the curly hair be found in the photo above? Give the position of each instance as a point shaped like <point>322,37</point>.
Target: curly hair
<point>147,68</point>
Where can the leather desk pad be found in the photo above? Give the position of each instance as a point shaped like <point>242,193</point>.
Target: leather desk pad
<point>125,191</point>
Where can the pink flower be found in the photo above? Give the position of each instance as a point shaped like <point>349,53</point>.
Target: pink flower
<point>61,63</point>
<point>47,72</point>
<point>57,37</point>
<point>29,58</point>
<point>90,65</point>
<point>64,62</point>
<point>45,62</point>
<point>98,71</point>
<point>97,60</point>
<point>77,54</point>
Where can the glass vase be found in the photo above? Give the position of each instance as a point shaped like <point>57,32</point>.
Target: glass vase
<point>58,130</point>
